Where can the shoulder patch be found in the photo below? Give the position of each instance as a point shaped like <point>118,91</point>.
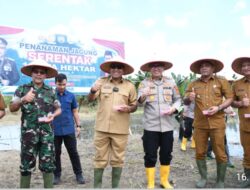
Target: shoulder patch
<point>167,78</point>
<point>128,80</point>
<point>196,80</point>
<point>103,77</point>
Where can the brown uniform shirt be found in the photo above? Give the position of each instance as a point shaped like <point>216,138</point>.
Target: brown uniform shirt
<point>209,94</point>
<point>2,104</point>
<point>110,95</point>
<point>241,88</point>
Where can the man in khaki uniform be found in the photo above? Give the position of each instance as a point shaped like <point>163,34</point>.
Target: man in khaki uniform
<point>116,100</point>
<point>241,90</point>
<point>211,95</point>
<point>2,106</point>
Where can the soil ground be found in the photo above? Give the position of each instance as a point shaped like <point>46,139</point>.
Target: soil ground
<point>183,174</point>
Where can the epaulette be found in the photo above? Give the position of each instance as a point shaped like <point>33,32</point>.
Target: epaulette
<point>167,78</point>
<point>104,77</point>
<point>27,85</point>
<point>236,80</point>
<point>220,77</point>
<point>47,87</point>
<point>195,80</point>
<point>127,80</point>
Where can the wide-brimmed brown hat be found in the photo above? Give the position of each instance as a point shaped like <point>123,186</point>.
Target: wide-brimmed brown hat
<point>147,66</point>
<point>237,63</point>
<point>50,71</point>
<point>195,66</point>
<point>105,66</point>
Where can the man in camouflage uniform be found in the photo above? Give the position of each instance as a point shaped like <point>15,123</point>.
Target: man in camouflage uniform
<point>161,99</point>
<point>39,107</point>
<point>8,70</point>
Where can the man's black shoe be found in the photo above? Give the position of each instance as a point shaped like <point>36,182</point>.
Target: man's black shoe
<point>80,179</point>
<point>57,180</point>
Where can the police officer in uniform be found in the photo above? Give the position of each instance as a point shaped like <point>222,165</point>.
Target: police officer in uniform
<point>116,100</point>
<point>211,95</point>
<point>39,106</point>
<point>8,70</point>
<point>161,99</point>
<point>241,90</point>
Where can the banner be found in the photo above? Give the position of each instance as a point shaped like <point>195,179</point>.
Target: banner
<point>79,60</point>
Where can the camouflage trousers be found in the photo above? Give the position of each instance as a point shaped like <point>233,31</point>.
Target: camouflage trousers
<point>37,140</point>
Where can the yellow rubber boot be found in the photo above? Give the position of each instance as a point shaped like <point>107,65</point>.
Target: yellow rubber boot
<point>150,172</point>
<point>184,144</point>
<point>193,143</point>
<point>164,175</point>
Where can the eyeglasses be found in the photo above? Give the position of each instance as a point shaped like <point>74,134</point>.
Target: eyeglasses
<point>116,66</point>
<point>39,72</point>
<point>156,65</point>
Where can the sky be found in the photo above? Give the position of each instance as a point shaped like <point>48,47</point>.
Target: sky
<point>179,31</point>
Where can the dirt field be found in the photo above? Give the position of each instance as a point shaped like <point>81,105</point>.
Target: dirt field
<point>184,172</point>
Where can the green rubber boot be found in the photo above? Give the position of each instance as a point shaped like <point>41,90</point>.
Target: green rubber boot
<point>221,172</point>
<point>202,166</point>
<point>116,175</point>
<point>98,172</point>
<point>25,181</point>
<point>48,180</point>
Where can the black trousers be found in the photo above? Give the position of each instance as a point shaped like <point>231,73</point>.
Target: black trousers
<point>70,144</point>
<point>152,141</point>
<point>188,123</point>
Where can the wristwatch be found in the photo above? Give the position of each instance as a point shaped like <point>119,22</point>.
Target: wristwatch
<point>79,126</point>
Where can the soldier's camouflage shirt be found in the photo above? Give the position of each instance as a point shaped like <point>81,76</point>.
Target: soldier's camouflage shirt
<point>45,101</point>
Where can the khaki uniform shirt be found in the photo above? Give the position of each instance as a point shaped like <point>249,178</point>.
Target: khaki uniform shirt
<point>2,104</point>
<point>241,88</point>
<point>108,119</point>
<point>163,94</point>
<point>209,94</point>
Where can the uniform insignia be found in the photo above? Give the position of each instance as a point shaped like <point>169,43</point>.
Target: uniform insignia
<point>240,90</point>
<point>151,98</point>
<point>168,98</point>
<point>141,85</point>
<point>167,87</point>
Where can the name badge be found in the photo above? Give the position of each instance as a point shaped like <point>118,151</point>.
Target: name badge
<point>247,115</point>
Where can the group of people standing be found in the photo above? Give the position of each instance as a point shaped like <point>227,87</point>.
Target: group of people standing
<point>42,107</point>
